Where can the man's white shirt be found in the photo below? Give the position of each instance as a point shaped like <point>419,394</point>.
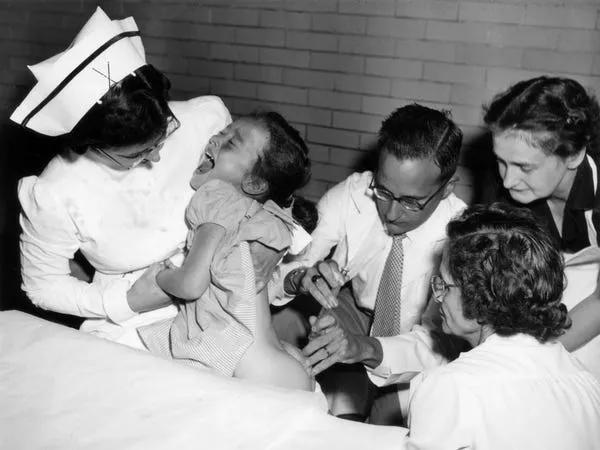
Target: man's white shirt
<point>348,221</point>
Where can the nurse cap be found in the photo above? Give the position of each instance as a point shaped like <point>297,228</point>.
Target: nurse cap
<point>68,84</point>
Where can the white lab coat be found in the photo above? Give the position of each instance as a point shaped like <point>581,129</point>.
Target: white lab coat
<point>507,393</point>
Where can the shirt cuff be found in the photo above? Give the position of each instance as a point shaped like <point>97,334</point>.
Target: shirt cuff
<point>115,301</point>
<point>383,375</point>
<point>379,374</point>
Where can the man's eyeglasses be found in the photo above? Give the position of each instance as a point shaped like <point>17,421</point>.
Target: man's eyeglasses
<point>440,288</point>
<point>410,204</point>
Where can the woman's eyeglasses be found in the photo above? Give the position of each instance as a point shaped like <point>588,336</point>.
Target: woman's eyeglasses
<point>440,288</point>
<point>172,126</point>
<point>409,204</point>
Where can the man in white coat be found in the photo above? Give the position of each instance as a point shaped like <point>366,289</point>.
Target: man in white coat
<point>387,229</point>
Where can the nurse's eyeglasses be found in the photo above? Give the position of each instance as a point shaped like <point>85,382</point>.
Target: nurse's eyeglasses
<point>172,126</point>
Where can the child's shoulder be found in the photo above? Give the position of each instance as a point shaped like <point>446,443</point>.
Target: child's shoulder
<point>271,225</point>
<point>218,202</point>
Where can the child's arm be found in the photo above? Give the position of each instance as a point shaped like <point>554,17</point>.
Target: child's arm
<point>189,281</point>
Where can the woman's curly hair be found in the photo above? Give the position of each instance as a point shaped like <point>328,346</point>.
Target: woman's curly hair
<point>561,116</point>
<point>510,274</point>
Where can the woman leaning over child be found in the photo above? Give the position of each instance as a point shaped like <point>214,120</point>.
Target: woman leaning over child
<point>547,152</point>
<point>500,287</point>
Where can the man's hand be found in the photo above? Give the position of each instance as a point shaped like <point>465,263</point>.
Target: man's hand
<point>145,294</point>
<point>323,282</point>
<point>330,343</point>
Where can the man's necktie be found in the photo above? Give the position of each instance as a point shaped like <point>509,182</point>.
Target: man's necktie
<point>386,320</point>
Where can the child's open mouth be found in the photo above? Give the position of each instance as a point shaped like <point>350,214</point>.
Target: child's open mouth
<point>208,164</point>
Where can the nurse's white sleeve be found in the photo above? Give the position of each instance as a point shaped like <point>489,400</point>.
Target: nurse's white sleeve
<point>425,347</point>
<point>438,416</point>
<point>406,355</point>
<point>48,242</point>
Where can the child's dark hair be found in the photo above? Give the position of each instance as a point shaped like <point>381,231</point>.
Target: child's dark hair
<point>284,163</point>
<point>305,213</point>
<point>133,111</point>
<point>418,132</point>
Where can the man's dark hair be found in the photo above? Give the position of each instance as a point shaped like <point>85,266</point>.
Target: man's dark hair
<point>418,132</point>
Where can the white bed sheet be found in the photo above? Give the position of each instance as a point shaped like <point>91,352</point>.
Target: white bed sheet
<point>63,389</point>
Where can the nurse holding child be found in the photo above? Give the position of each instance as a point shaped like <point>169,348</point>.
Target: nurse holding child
<point>118,190</point>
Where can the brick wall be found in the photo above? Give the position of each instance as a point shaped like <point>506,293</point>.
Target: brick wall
<point>334,68</point>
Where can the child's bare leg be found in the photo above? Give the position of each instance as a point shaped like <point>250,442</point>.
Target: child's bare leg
<point>272,365</point>
<point>267,361</point>
<point>297,354</point>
